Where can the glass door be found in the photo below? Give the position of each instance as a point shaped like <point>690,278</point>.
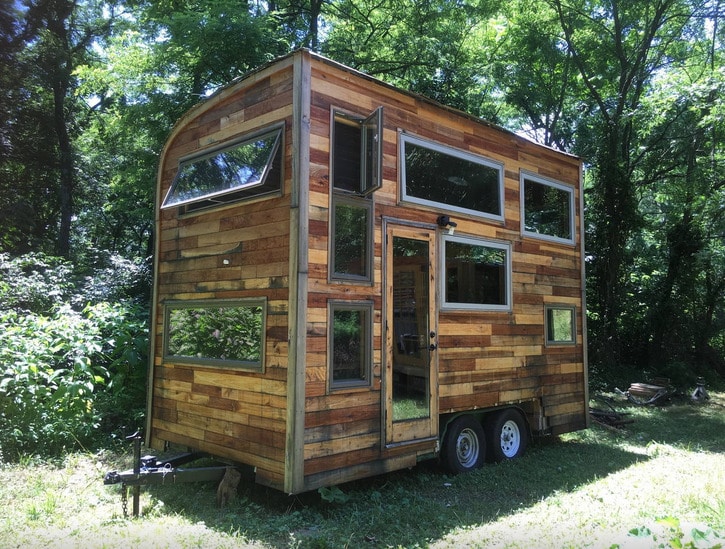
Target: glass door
<point>410,382</point>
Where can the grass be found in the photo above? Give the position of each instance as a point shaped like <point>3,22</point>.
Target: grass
<point>656,483</point>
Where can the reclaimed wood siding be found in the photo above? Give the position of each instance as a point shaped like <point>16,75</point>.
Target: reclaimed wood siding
<point>485,358</point>
<point>238,251</point>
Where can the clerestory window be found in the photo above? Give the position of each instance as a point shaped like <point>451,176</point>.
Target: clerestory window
<point>248,168</point>
<point>440,176</point>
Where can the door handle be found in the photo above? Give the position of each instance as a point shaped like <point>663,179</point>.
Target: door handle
<point>432,347</point>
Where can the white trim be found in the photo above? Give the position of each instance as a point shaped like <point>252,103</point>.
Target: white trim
<point>473,241</point>
<point>457,153</point>
<point>525,175</point>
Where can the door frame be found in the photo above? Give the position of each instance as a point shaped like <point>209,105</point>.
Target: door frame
<point>417,430</point>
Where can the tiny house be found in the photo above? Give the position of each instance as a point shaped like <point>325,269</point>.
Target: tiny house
<point>351,278</point>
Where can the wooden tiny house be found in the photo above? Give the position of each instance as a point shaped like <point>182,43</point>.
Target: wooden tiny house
<point>351,278</point>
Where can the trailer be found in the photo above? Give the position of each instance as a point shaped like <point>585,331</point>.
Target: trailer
<point>351,278</point>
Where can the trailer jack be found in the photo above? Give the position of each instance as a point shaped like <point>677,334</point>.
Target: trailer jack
<point>149,470</point>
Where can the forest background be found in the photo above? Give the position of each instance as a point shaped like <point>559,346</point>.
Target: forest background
<point>89,90</point>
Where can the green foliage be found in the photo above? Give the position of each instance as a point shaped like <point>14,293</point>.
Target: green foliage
<point>61,374</point>
<point>675,538</point>
<point>34,282</point>
<point>68,375</point>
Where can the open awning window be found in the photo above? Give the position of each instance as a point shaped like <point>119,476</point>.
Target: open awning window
<point>248,168</point>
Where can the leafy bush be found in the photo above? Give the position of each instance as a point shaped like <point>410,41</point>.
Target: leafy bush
<point>72,366</point>
<point>62,375</point>
<point>34,282</point>
<point>67,375</point>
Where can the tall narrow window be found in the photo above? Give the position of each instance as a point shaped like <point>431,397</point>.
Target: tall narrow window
<point>350,343</point>
<point>547,209</point>
<point>356,160</point>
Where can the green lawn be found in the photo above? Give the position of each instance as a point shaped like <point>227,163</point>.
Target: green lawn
<point>598,488</point>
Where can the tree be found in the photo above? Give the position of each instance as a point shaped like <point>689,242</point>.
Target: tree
<point>618,48</point>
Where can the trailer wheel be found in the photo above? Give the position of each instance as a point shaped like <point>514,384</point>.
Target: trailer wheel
<point>464,445</point>
<point>507,435</point>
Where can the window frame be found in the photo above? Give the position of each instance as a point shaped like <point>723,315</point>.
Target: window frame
<point>245,365</point>
<point>541,180</point>
<point>474,241</point>
<point>366,381</point>
<point>362,195</point>
<point>550,308</point>
<point>229,196</point>
<point>405,138</point>
<point>337,200</point>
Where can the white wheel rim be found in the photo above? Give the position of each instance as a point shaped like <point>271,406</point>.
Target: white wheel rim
<point>510,439</point>
<point>467,448</point>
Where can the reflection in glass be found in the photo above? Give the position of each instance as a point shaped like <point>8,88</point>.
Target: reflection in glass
<point>411,355</point>
<point>243,166</point>
<point>232,333</point>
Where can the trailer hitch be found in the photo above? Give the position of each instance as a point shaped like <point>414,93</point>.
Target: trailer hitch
<point>149,470</point>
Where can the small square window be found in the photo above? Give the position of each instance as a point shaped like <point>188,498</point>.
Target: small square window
<point>560,325</point>
<point>350,343</point>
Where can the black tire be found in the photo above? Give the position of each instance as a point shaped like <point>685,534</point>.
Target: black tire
<point>507,435</point>
<point>464,445</point>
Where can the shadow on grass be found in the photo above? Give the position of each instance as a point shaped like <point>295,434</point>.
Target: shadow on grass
<point>413,507</point>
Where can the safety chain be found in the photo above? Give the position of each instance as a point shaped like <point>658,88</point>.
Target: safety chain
<point>124,499</point>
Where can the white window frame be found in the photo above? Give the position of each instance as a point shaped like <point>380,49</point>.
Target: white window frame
<point>405,138</point>
<point>508,292</point>
<point>523,177</point>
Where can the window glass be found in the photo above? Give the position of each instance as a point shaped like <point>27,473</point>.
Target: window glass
<point>350,344</point>
<point>355,158</point>
<point>351,239</point>
<point>547,209</point>
<point>560,325</point>
<point>477,274</point>
<point>357,152</point>
<point>435,175</point>
<point>244,170</point>
<point>216,333</point>
<point>346,161</point>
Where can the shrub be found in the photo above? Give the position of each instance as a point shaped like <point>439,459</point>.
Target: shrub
<point>67,375</point>
<point>73,353</point>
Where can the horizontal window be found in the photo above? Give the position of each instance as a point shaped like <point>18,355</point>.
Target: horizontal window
<point>547,209</point>
<point>350,340</point>
<point>560,325</point>
<point>476,274</point>
<point>248,168</point>
<point>436,175</point>
<point>216,332</point>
